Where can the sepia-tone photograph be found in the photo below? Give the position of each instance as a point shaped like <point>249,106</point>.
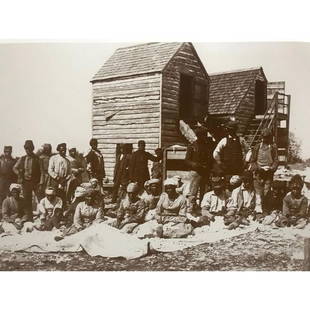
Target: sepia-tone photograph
<point>154,156</point>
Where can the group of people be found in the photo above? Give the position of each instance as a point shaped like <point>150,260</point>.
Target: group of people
<point>225,179</point>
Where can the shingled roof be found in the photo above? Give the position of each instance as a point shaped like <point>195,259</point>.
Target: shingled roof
<point>138,59</point>
<point>227,89</point>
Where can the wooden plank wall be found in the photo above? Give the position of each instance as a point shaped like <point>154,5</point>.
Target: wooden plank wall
<point>184,61</point>
<point>246,110</point>
<point>124,111</point>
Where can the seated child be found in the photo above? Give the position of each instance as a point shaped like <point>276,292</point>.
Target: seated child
<point>214,203</point>
<point>295,205</point>
<point>273,200</point>
<point>244,202</point>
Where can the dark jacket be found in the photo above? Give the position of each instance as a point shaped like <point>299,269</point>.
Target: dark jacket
<point>139,171</point>
<point>36,169</point>
<point>96,165</point>
<point>121,170</point>
<point>232,157</point>
<point>199,156</point>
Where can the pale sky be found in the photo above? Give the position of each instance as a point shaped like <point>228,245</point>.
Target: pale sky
<point>45,93</point>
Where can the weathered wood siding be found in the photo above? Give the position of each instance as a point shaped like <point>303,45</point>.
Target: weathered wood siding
<point>126,110</point>
<point>185,61</point>
<point>246,110</point>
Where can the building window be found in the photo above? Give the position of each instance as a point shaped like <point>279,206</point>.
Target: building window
<point>193,99</point>
<point>185,99</point>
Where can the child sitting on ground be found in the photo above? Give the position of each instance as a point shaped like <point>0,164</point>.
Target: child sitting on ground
<point>244,202</point>
<point>295,205</point>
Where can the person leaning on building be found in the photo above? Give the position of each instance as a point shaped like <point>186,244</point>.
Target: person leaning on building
<point>29,172</point>
<point>230,152</point>
<point>264,161</point>
<point>139,171</point>
<point>7,175</point>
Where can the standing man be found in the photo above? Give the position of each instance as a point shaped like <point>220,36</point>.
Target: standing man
<point>44,162</point>
<point>230,152</point>
<point>139,171</point>
<point>29,172</point>
<point>264,161</point>
<point>121,174</point>
<point>76,172</point>
<point>95,162</point>
<point>199,160</point>
<point>7,175</point>
<point>59,170</point>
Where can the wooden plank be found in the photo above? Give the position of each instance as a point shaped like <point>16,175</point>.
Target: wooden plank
<point>129,110</point>
<point>127,131</point>
<point>117,122</point>
<point>150,125</point>
<point>115,140</point>
<point>125,116</point>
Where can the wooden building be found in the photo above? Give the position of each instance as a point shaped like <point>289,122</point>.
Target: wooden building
<point>142,91</point>
<point>247,96</point>
<point>238,95</point>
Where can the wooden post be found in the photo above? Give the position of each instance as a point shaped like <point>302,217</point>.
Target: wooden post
<point>307,255</point>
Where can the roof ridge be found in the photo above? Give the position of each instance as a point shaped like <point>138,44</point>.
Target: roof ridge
<point>236,71</point>
<point>145,44</point>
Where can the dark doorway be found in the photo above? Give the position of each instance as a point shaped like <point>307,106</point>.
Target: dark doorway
<point>186,88</point>
<point>260,97</point>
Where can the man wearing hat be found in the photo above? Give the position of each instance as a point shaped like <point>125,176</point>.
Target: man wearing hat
<point>264,161</point>
<point>95,162</point>
<point>230,152</point>
<point>199,160</point>
<point>44,162</point>
<point>29,172</point>
<point>7,175</point>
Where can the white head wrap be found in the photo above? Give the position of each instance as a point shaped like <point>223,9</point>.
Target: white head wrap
<point>171,181</point>
<point>15,186</point>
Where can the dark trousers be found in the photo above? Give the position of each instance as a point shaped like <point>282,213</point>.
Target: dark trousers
<point>28,188</point>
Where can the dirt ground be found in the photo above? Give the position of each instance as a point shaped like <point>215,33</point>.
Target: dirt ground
<point>251,251</point>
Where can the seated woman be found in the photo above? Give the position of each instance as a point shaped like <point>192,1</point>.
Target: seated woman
<point>13,210</point>
<point>49,210</point>
<point>151,199</point>
<point>131,211</point>
<point>295,205</point>
<point>86,214</point>
<point>214,203</point>
<point>171,212</point>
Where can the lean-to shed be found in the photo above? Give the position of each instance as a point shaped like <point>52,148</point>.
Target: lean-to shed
<point>142,91</point>
<point>239,95</point>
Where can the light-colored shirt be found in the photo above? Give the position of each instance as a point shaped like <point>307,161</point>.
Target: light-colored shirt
<point>46,207</point>
<point>59,167</point>
<point>217,151</point>
<point>264,156</point>
<point>249,199</point>
<point>85,215</point>
<point>213,203</point>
